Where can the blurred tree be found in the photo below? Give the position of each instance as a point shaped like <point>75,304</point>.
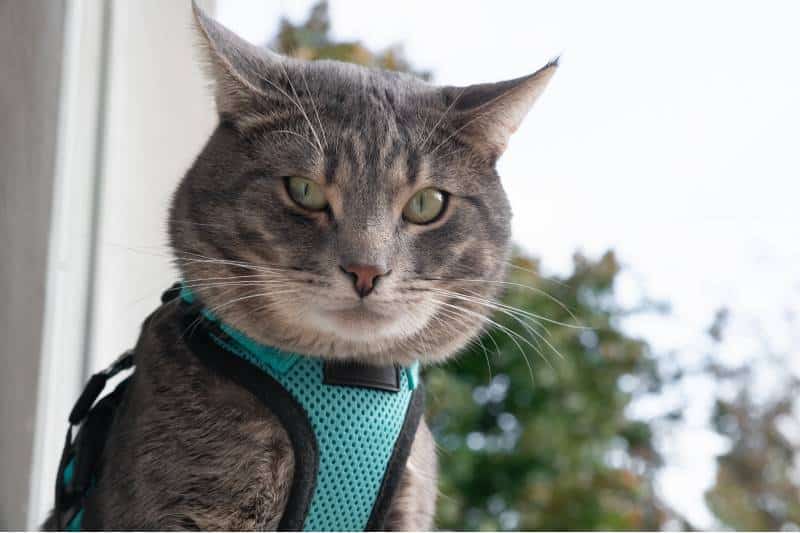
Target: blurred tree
<point>534,440</point>
<point>312,40</point>
<point>549,448</point>
<point>757,485</point>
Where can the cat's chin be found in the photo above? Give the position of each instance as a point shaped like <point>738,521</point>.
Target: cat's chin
<point>367,323</point>
<point>357,316</point>
<point>362,323</point>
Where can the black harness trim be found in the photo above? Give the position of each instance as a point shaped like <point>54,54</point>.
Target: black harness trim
<point>397,462</point>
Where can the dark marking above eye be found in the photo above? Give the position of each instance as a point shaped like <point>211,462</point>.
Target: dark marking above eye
<point>350,152</point>
<point>412,166</point>
<point>331,163</point>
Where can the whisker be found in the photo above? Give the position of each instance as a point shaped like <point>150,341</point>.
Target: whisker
<point>225,262</point>
<point>314,107</point>
<point>290,132</point>
<point>296,104</point>
<point>192,255</point>
<point>477,340</point>
<point>535,273</point>
<point>200,287</point>
<point>517,285</point>
<point>536,335</point>
<point>195,223</point>
<point>215,309</point>
<point>530,314</point>
<point>511,312</point>
<point>224,278</point>
<point>441,118</point>
<point>513,335</point>
<point>302,109</point>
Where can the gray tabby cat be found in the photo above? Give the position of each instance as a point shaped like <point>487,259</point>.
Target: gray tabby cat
<point>336,211</point>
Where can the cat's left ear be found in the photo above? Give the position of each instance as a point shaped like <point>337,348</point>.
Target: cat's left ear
<point>239,70</point>
<point>489,113</point>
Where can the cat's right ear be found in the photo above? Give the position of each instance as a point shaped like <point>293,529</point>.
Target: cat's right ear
<point>240,71</point>
<point>489,113</point>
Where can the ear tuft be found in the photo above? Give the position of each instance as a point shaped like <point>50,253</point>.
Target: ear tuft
<point>491,112</point>
<point>236,68</point>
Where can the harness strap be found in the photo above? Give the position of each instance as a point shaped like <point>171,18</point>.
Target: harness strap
<point>80,456</point>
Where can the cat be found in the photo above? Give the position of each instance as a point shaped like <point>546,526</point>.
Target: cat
<point>337,211</point>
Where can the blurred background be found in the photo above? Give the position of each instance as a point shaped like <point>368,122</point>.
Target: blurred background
<point>646,371</point>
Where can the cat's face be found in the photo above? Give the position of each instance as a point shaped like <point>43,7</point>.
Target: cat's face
<point>346,212</point>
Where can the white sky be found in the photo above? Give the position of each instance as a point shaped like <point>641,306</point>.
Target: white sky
<point>670,134</point>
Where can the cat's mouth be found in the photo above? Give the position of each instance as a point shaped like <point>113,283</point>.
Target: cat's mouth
<point>360,313</point>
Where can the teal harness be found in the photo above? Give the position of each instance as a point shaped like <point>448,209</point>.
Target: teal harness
<point>351,425</point>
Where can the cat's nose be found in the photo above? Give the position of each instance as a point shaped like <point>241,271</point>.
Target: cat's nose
<point>364,277</point>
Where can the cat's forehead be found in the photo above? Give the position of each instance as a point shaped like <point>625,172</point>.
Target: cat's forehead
<point>370,121</point>
<point>341,84</point>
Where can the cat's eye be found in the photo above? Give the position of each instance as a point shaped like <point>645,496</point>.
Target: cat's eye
<point>425,206</point>
<point>306,193</point>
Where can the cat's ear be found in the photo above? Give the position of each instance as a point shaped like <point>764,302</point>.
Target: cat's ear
<point>239,70</point>
<point>489,113</point>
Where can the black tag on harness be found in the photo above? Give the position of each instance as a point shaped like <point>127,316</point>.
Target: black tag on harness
<point>353,374</point>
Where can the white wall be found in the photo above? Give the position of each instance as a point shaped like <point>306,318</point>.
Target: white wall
<point>134,112</point>
<point>70,243</point>
<point>31,35</point>
<point>160,113</point>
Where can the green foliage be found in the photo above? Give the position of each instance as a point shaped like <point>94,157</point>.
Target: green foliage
<point>757,486</point>
<point>312,40</point>
<point>548,446</point>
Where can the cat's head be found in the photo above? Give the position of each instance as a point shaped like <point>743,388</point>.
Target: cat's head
<point>347,212</point>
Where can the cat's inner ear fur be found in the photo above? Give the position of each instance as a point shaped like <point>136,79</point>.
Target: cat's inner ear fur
<point>489,113</point>
<point>239,70</point>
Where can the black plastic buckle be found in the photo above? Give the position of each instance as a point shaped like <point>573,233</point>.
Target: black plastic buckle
<point>171,293</point>
<point>96,385</point>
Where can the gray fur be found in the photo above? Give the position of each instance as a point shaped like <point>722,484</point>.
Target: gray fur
<point>193,452</point>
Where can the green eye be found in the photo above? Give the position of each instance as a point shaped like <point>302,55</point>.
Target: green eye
<point>306,193</point>
<point>425,206</point>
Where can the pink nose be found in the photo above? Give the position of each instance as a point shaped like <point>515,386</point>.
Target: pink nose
<point>364,277</point>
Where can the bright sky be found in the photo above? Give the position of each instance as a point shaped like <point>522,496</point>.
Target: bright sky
<point>671,133</point>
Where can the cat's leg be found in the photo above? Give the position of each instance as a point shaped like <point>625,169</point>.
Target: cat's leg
<point>189,449</point>
<point>414,504</point>
<point>238,479</point>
